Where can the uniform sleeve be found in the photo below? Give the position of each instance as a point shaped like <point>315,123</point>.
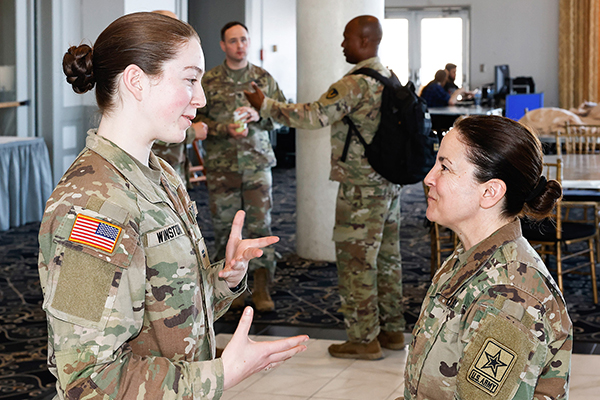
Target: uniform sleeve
<point>94,300</point>
<point>203,114</point>
<point>214,128</point>
<point>190,135</point>
<point>514,348</point>
<point>331,107</point>
<point>222,293</point>
<point>274,92</point>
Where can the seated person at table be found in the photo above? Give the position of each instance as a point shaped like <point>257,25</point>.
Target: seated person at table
<point>494,324</point>
<point>436,96</point>
<point>450,86</point>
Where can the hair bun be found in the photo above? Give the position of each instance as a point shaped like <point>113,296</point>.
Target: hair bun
<point>78,67</point>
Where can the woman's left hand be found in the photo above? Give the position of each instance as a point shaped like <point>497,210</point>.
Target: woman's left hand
<point>240,251</point>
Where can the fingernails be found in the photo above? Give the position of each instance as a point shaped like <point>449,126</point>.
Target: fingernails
<point>248,311</point>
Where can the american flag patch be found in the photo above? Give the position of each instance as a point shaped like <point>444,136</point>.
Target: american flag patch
<point>94,232</point>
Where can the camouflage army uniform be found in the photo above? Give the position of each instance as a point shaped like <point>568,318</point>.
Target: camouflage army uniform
<point>493,325</point>
<point>367,222</point>
<point>175,154</point>
<point>238,171</point>
<point>129,293</point>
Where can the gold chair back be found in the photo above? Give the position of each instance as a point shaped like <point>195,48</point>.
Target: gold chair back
<point>578,139</point>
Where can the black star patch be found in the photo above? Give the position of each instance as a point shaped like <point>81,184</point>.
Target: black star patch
<point>332,93</point>
<point>493,362</point>
<point>491,367</point>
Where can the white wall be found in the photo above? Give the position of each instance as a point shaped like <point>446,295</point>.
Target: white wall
<point>63,117</point>
<point>279,43</point>
<point>208,17</point>
<point>522,34</point>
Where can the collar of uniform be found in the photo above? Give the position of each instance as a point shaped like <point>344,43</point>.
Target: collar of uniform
<point>470,262</point>
<point>372,62</point>
<point>136,173</point>
<point>227,72</point>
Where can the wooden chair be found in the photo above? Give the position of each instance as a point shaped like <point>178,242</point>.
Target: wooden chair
<point>197,173</point>
<point>443,241</point>
<point>554,235</point>
<point>578,139</point>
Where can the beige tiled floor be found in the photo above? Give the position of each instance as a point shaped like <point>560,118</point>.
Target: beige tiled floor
<point>313,374</point>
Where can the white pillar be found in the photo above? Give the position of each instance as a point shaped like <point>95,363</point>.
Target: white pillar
<point>321,62</point>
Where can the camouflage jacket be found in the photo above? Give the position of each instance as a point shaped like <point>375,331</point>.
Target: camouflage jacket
<point>493,325</point>
<point>357,96</point>
<point>223,97</point>
<point>129,293</point>
<point>174,153</point>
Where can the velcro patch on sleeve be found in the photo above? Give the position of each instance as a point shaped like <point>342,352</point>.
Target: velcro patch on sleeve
<point>95,233</point>
<point>492,366</point>
<point>163,235</point>
<point>495,359</point>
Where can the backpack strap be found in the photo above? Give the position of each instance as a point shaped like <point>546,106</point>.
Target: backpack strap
<point>391,81</point>
<point>352,129</point>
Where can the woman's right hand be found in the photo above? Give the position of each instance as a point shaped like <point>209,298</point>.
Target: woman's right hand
<point>243,357</point>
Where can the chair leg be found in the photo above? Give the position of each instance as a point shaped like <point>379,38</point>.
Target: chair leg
<point>593,271</point>
<point>435,254</point>
<point>559,274</point>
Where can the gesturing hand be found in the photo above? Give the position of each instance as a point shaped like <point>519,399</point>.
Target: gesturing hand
<point>249,114</point>
<point>255,98</point>
<point>238,252</point>
<point>201,130</point>
<point>243,357</point>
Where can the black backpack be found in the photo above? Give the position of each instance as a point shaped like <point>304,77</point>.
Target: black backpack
<point>404,147</point>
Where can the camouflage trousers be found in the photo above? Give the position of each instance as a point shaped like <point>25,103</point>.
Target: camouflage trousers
<point>367,244</point>
<point>250,191</point>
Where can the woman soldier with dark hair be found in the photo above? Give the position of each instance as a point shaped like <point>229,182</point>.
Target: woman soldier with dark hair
<point>494,324</point>
<point>129,291</point>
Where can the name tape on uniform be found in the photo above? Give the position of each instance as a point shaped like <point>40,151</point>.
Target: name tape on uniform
<point>95,233</point>
<point>164,235</point>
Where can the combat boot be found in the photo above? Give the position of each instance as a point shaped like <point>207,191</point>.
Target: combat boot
<point>391,340</point>
<point>359,351</point>
<point>260,294</point>
<point>240,301</point>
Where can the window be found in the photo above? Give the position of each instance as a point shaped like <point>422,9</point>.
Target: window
<point>15,67</point>
<point>417,43</point>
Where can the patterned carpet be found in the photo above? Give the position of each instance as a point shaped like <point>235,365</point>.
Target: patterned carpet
<point>305,292</point>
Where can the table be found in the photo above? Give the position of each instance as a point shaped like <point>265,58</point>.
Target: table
<point>470,110</point>
<point>442,118</point>
<point>579,171</point>
<point>25,180</point>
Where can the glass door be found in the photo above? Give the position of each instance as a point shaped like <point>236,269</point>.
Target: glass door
<point>417,43</point>
<point>16,67</point>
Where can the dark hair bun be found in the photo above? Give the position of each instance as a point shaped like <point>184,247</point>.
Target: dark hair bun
<point>541,205</point>
<point>77,66</point>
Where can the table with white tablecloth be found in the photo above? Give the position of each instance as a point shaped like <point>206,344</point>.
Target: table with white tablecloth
<point>579,171</point>
<point>25,180</point>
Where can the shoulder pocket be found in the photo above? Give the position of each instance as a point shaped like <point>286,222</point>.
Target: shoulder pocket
<point>85,272</point>
<point>497,359</point>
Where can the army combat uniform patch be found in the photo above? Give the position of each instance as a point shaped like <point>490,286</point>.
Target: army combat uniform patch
<point>95,232</point>
<point>491,367</point>
<point>332,93</point>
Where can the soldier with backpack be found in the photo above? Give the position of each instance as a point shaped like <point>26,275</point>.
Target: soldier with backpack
<point>367,220</point>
